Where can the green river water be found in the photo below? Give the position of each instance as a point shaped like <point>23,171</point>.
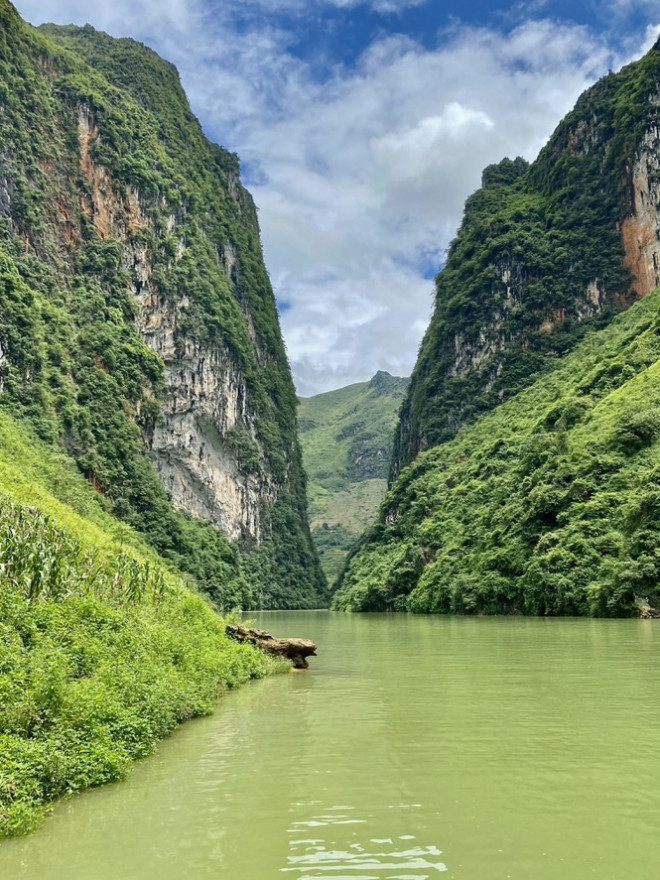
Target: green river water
<point>413,748</point>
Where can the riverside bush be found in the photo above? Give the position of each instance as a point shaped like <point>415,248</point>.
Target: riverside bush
<point>101,655</point>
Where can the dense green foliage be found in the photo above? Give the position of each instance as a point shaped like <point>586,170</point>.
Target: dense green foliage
<point>513,296</point>
<point>71,359</point>
<point>550,504</point>
<point>346,437</point>
<point>102,649</point>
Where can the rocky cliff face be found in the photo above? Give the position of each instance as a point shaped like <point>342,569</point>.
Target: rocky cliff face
<point>207,396</point>
<point>546,502</point>
<point>206,400</point>
<point>138,237</point>
<point>543,252</point>
<point>640,230</point>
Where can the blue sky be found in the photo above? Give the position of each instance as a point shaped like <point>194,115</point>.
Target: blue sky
<point>362,126</point>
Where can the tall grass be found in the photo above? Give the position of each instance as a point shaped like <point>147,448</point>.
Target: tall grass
<point>102,653</point>
<point>41,561</point>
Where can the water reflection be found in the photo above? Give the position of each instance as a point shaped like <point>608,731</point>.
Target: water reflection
<point>320,854</point>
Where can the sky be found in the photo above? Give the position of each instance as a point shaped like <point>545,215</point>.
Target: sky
<point>362,126</point>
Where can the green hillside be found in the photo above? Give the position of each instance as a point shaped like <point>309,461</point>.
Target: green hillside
<point>103,648</point>
<point>550,504</point>
<point>525,475</point>
<point>346,437</point>
<point>132,293</point>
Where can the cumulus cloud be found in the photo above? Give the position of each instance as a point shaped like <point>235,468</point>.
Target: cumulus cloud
<point>360,179</point>
<point>366,181</point>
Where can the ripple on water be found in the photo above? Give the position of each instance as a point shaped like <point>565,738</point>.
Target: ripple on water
<point>319,859</point>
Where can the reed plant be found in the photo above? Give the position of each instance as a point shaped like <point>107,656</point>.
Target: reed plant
<point>42,561</point>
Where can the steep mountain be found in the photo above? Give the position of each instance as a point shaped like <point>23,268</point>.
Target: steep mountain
<point>138,328</point>
<point>346,438</point>
<point>538,406</point>
<point>544,252</point>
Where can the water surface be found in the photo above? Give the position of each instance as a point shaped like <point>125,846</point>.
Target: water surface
<point>413,748</point>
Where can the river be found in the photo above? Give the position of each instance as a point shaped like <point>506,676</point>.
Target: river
<point>413,748</point>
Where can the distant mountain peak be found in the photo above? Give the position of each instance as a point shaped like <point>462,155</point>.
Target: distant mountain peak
<point>384,382</point>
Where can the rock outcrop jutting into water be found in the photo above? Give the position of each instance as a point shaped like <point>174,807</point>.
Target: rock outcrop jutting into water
<point>296,650</point>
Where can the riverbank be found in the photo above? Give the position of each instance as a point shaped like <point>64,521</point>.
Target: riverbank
<point>103,649</point>
<point>88,685</point>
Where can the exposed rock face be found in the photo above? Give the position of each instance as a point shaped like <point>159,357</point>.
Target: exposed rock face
<point>206,399</point>
<point>641,230</point>
<point>206,395</point>
<point>145,330</point>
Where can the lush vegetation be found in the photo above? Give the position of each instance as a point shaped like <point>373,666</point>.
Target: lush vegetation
<point>107,184</point>
<point>103,649</point>
<point>346,437</point>
<point>550,504</point>
<point>72,361</point>
<point>538,260</point>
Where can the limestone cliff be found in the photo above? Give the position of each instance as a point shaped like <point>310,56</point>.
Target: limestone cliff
<point>641,228</point>
<point>544,252</point>
<point>156,359</point>
<point>207,396</point>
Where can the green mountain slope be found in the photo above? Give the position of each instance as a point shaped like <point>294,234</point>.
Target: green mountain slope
<point>148,441</point>
<point>525,469</point>
<point>346,437</point>
<point>138,328</point>
<point>550,504</point>
<point>544,252</point>
<point>103,648</point>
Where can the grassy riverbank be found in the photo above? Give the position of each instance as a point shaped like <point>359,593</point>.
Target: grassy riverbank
<point>103,649</point>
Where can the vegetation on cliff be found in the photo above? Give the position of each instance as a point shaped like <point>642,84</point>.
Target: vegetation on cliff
<point>108,189</point>
<point>550,504</point>
<point>526,464</point>
<point>111,200</point>
<point>346,437</point>
<point>538,259</point>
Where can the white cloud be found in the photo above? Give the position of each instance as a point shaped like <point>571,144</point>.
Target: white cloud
<point>383,6</point>
<point>367,180</point>
<point>360,180</point>
<point>651,36</point>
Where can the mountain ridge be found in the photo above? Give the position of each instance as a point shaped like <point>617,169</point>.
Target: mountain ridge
<point>543,252</point>
<point>524,473</point>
